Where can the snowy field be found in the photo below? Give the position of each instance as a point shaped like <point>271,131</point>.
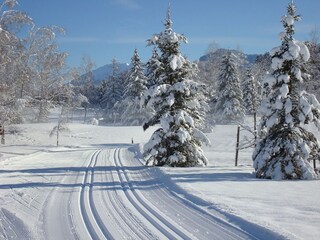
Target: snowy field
<point>94,185</point>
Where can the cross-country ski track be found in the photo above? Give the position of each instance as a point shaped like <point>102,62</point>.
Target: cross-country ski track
<point>108,193</point>
<point>96,186</point>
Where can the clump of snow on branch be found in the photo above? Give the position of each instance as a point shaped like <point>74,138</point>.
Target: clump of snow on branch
<point>176,61</point>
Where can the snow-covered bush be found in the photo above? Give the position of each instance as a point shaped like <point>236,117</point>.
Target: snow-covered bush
<point>93,121</point>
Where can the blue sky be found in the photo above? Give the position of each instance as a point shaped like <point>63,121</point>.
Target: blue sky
<point>104,29</point>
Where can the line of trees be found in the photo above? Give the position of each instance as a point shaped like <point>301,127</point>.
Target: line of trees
<point>180,97</point>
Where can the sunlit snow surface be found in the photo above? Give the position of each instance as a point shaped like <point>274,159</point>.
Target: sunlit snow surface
<point>37,177</point>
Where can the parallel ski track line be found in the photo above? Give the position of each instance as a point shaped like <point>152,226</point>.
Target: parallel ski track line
<point>92,221</point>
<point>42,216</point>
<point>205,216</point>
<point>69,210</point>
<point>136,229</point>
<point>150,213</point>
<point>220,229</point>
<point>200,213</point>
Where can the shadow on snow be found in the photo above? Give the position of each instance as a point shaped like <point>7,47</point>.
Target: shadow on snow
<point>76,172</point>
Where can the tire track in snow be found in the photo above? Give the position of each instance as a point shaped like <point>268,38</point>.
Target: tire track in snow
<point>91,219</point>
<point>166,227</point>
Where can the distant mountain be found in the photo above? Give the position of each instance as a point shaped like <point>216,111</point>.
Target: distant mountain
<point>102,73</point>
<point>251,58</point>
<point>105,71</point>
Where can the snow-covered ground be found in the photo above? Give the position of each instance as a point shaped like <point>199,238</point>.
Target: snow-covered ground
<point>95,185</point>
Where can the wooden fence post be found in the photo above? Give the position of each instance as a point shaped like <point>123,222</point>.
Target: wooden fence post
<point>2,134</point>
<point>237,146</point>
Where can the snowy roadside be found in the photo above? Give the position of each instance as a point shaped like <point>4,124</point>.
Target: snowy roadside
<point>289,208</point>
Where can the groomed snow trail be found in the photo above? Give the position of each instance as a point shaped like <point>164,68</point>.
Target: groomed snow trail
<point>118,197</point>
<point>180,219</point>
<point>109,194</point>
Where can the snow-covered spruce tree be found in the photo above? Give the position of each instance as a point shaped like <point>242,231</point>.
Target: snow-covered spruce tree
<point>133,113</point>
<point>286,149</point>
<point>250,93</point>
<point>113,93</point>
<point>177,100</point>
<point>229,108</point>
<point>113,89</point>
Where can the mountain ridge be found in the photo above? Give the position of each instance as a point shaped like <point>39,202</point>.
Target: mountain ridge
<point>105,71</point>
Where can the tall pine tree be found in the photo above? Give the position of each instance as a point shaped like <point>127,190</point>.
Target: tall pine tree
<point>133,113</point>
<point>229,108</point>
<point>177,101</point>
<point>286,149</point>
<point>113,92</point>
<point>251,97</point>
<point>114,87</point>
